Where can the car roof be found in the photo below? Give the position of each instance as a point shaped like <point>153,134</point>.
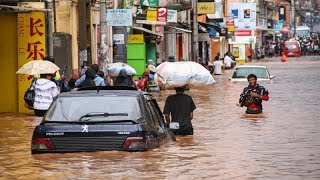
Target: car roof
<point>251,66</point>
<point>101,91</point>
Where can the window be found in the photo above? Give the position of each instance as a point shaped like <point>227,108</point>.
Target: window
<point>244,72</point>
<point>155,120</point>
<point>72,108</point>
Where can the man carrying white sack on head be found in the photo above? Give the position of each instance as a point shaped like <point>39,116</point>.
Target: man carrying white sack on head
<point>180,106</point>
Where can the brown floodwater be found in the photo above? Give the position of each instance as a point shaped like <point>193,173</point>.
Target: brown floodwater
<point>283,143</point>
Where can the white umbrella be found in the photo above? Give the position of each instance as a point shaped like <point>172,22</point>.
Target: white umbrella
<point>38,67</point>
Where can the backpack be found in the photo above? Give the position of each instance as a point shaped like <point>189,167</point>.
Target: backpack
<point>29,95</point>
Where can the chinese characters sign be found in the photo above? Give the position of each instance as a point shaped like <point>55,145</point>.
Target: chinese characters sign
<point>31,37</point>
<point>31,46</point>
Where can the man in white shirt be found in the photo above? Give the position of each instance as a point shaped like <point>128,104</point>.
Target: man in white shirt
<point>227,61</point>
<point>217,66</point>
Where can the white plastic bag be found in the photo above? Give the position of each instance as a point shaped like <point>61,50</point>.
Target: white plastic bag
<point>114,69</point>
<point>177,74</point>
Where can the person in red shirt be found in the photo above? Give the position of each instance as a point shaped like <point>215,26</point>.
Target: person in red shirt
<point>253,95</point>
<point>283,57</point>
<point>143,82</point>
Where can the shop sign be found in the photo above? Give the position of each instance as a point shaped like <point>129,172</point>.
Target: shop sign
<point>119,17</point>
<point>244,33</point>
<point>118,38</point>
<point>235,52</point>
<point>136,38</point>
<point>141,14</point>
<point>31,46</point>
<point>154,3</point>
<point>244,15</point>
<point>172,16</point>
<point>242,40</point>
<point>152,14</point>
<point>205,8</point>
<point>162,15</point>
<point>230,25</point>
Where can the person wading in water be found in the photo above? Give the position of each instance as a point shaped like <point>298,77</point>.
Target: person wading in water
<point>180,106</point>
<point>253,95</point>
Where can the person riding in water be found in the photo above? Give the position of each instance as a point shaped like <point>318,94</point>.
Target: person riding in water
<point>253,95</point>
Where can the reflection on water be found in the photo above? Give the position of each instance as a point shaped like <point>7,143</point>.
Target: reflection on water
<point>281,143</point>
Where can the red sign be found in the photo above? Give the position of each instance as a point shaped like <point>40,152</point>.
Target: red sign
<point>245,33</point>
<point>230,22</point>
<point>162,13</point>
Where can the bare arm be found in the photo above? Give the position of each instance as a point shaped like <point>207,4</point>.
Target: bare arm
<point>265,98</point>
<point>191,115</point>
<point>133,83</point>
<point>167,117</point>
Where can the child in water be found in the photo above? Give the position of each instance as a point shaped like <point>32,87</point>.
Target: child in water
<point>283,57</point>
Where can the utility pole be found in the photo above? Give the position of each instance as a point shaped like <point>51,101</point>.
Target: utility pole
<point>103,34</point>
<point>293,19</point>
<point>195,31</point>
<point>54,16</point>
<point>49,28</point>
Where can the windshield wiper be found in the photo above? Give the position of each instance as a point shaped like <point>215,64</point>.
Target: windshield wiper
<point>89,122</point>
<point>94,114</point>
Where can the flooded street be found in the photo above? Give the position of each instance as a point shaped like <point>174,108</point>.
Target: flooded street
<point>283,143</point>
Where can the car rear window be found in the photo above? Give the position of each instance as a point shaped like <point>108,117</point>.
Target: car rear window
<point>291,46</point>
<point>245,71</point>
<point>73,108</point>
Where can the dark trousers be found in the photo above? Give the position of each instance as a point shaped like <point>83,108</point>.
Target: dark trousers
<point>39,113</point>
<point>250,111</point>
<point>183,131</point>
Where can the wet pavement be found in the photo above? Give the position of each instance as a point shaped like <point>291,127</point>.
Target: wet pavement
<point>283,143</point>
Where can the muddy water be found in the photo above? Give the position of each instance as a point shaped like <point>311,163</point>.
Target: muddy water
<point>283,143</point>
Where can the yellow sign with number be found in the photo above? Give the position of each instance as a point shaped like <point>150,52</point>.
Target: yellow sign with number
<point>205,8</point>
<point>136,38</point>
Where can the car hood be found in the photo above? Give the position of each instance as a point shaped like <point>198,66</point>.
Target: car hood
<point>245,79</point>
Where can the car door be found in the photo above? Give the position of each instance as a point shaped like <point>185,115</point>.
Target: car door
<point>158,120</point>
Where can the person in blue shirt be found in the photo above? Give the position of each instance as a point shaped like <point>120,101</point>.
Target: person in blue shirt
<point>99,81</point>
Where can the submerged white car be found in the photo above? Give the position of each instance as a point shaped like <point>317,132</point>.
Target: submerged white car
<point>241,73</point>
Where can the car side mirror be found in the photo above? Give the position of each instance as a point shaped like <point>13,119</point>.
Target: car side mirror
<point>174,125</point>
<point>271,77</point>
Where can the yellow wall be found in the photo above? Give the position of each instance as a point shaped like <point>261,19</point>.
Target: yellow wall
<point>8,63</point>
<point>67,22</point>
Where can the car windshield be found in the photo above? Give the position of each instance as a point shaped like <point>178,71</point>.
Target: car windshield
<point>243,72</point>
<point>103,108</point>
<point>291,46</point>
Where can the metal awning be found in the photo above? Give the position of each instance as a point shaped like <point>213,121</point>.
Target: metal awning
<point>21,9</point>
<point>180,29</point>
<point>147,31</point>
<point>216,27</point>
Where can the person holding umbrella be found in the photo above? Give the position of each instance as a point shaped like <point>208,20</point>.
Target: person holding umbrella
<point>45,91</point>
<point>56,77</point>
<point>43,88</point>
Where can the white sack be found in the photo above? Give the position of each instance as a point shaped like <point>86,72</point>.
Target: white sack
<point>177,74</point>
<point>114,69</point>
